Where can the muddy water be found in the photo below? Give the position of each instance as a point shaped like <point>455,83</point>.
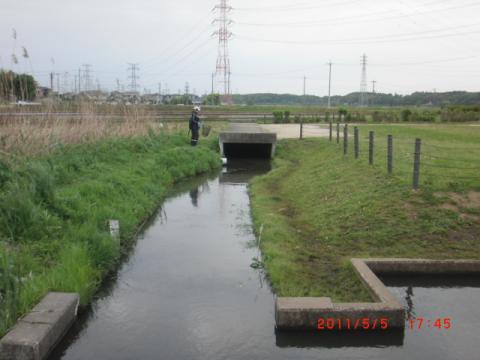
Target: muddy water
<point>187,291</point>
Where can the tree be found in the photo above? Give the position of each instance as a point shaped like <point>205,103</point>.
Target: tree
<point>22,86</point>
<point>212,99</point>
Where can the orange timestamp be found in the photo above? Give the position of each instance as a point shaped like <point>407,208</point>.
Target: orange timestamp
<point>352,324</point>
<point>420,323</point>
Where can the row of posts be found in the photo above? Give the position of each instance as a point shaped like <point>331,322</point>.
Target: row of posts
<point>371,147</point>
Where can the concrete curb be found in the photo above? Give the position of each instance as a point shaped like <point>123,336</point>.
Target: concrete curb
<point>303,313</point>
<point>37,333</point>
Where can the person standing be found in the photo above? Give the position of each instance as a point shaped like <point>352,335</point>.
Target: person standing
<point>195,125</point>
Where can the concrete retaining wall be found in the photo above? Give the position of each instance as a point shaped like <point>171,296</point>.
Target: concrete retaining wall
<point>36,334</point>
<point>303,313</point>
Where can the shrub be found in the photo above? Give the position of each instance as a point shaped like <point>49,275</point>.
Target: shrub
<point>405,114</point>
<point>424,116</point>
<point>278,117</point>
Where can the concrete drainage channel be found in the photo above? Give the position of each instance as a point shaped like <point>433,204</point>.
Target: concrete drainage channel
<point>303,313</point>
<point>36,334</point>
<point>208,307</point>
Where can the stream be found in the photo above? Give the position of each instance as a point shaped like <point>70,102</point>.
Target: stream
<point>187,291</point>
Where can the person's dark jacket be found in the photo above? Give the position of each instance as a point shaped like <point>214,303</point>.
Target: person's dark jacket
<point>194,123</point>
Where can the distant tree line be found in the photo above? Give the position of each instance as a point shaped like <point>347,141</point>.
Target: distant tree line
<point>18,86</point>
<point>374,99</point>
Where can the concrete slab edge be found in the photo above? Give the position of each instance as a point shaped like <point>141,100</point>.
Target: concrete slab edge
<point>37,333</point>
<point>299,313</point>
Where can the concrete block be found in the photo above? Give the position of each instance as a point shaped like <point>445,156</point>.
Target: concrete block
<point>300,312</point>
<point>36,334</point>
<point>303,313</point>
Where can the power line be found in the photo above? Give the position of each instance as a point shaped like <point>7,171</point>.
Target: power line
<point>360,18</point>
<point>372,40</point>
<point>296,7</point>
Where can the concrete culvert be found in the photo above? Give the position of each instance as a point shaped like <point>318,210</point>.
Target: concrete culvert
<point>247,141</point>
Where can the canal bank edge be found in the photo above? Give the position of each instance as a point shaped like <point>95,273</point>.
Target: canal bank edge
<point>303,313</point>
<point>36,334</point>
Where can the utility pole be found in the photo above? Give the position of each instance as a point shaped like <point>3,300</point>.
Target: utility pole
<point>52,76</point>
<point>373,86</point>
<point>363,82</point>
<point>329,82</point>
<point>133,69</point>
<point>159,88</point>
<point>223,59</point>
<point>187,88</point>
<point>213,79</point>
<point>304,85</point>
<point>79,80</point>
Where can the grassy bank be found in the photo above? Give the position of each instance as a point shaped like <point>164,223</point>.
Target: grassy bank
<point>54,210</point>
<point>318,208</point>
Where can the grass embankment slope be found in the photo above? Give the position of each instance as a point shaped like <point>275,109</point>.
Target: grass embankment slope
<point>54,211</point>
<point>317,209</point>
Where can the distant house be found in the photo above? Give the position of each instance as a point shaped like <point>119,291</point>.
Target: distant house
<point>42,92</point>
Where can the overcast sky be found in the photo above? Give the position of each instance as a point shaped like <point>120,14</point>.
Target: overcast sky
<point>411,45</point>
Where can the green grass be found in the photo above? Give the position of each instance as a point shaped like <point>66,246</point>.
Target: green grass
<point>450,154</point>
<point>54,212</point>
<point>317,209</point>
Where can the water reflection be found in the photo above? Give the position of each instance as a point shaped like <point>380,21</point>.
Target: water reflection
<point>240,171</point>
<point>194,196</point>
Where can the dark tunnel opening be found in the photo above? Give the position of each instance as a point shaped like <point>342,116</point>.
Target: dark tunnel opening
<point>247,150</point>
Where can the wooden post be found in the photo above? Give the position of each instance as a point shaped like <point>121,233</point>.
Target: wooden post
<point>390,154</point>
<point>357,145</point>
<point>301,129</point>
<point>338,133</point>
<point>330,131</point>
<point>345,139</point>
<point>371,143</point>
<point>416,163</point>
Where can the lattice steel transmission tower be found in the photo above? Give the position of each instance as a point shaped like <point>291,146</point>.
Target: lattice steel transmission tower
<point>363,82</point>
<point>87,72</point>
<point>222,72</point>
<point>133,70</point>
